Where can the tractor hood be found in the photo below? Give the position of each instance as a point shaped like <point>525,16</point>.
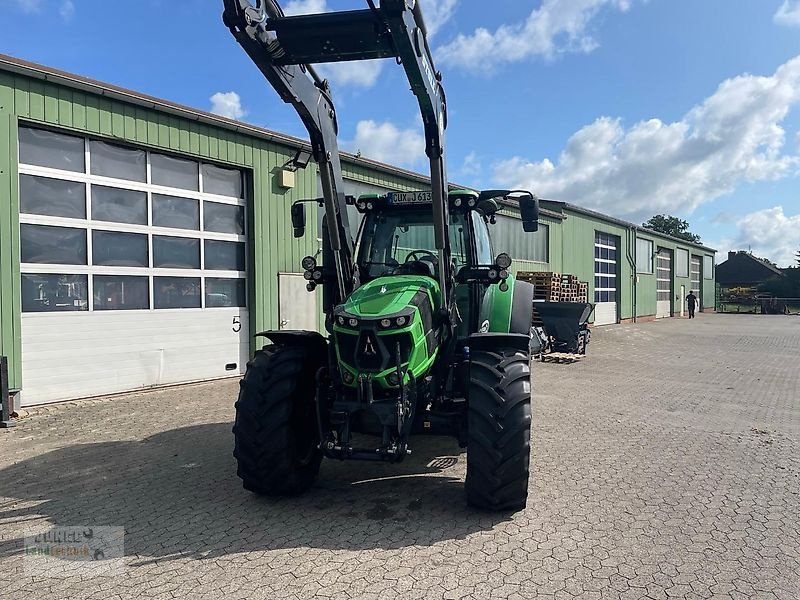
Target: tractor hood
<point>385,296</point>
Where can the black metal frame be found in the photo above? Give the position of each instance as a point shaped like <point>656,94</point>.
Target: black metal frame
<point>6,409</point>
<point>283,49</point>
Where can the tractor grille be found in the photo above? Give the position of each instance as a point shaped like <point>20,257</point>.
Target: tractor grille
<point>371,353</point>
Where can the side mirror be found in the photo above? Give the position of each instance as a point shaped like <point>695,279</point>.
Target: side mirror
<point>529,211</point>
<point>299,219</point>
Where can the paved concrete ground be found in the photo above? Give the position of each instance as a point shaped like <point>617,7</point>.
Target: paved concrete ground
<point>665,465</point>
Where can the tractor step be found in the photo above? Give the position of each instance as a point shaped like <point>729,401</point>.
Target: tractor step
<point>331,37</point>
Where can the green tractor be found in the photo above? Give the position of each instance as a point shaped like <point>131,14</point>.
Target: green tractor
<point>427,331</point>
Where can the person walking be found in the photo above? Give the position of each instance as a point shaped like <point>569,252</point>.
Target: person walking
<point>691,302</point>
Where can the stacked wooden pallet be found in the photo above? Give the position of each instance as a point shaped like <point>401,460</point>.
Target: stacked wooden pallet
<point>549,286</point>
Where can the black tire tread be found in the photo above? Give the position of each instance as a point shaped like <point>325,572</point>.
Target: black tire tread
<point>276,379</point>
<point>499,422</point>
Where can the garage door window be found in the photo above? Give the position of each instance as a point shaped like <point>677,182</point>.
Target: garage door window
<point>605,267</point>
<point>106,227</point>
<point>50,292</point>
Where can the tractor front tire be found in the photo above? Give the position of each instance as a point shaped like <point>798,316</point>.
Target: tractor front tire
<point>499,429</point>
<point>275,432</point>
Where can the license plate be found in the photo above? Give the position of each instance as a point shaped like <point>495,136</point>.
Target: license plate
<point>410,197</point>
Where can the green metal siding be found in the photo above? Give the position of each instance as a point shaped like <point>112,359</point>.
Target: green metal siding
<point>272,247</point>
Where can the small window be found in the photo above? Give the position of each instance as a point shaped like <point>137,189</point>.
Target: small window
<point>174,172</point>
<point>118,205</point>
<point>54,293</point>
<point>223,182</point>
<point>121,292</point>
<point>223,218</point>
<point>644,256</point>
<point>117,249</point>
<point>483,246</point>
<point>49,149</point>
<point>52,197</point>
<point>57,245</point>
<point>109,160</point>
<point>225,292</point>
<point>708,267</point>
<point>176,292</point>
<point>176,252</point>
<point>224,256</point>
<point>681,263</point>
<point>178,213</point>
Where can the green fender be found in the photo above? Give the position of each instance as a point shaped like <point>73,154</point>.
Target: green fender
<point>496,308</point>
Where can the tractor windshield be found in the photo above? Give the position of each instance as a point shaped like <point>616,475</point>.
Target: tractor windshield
<point>401,242</point>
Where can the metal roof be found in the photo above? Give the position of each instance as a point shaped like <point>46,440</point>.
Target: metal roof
<point>37,71</point>
<point>591,213</point>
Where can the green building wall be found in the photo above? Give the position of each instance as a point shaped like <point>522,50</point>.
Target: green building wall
<point>272,247</point>
<point>30,99</point>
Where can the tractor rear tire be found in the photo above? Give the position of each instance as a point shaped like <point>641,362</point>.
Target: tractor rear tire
<point>275,432</point>
<point>499,429</point>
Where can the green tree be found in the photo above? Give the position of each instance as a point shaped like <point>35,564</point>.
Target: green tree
<point>798,258</point>
<point>672,226</point>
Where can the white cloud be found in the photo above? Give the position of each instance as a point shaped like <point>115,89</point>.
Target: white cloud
<point>734,136</point>
<point>385,142</point>
<point>227,104</point>
<point>67,10</point>
<point>437,13</point>
<point>770,233</point>
<point>28,6</point>
<point>305,7</point>
<point>362,73</point>
<point>556,26</point>
<point>788,14</point>
<point>471,167</point>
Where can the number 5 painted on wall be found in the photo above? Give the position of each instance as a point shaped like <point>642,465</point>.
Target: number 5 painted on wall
<point>237,324</point>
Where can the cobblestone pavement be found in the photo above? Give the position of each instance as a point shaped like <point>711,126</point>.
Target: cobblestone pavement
<point>665,465</point>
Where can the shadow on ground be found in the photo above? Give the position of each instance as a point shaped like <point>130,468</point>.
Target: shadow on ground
<point>177,494</point>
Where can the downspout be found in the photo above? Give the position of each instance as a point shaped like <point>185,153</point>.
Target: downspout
<point>632,262</point>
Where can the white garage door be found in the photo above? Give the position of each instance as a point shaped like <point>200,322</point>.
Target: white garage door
<point>663,283</point>
<point>133,268</point>
<point>696,267</point>
<point>605,278</point>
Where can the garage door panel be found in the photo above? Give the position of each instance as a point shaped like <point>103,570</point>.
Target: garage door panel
<point>191,346</point>
<point>663,283</point>
<point>606,282</point>
<point>156,284</point>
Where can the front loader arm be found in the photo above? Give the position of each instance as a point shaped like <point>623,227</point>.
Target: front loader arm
<point>283,48</point>
<point>300,86</point>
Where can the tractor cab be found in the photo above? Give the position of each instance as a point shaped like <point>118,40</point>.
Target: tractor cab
<point>397,234</point>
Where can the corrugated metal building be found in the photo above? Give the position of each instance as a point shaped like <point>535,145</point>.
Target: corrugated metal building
<point>143,243</point>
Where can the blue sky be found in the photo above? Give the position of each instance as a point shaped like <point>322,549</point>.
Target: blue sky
<point>630,107</point>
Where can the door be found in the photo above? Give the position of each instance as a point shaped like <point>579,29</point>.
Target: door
<point>695,276</point>
<point>297,308</point>
<point>133,268</point>
<point>606,255</point>
<point>663,283</point>
<point>683,300</point>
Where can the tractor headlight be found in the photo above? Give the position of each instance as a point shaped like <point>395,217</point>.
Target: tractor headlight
<point>317,275</point>
<point>472,202</point>
<point>340,320</point>
<point>353,322</point>
<point>386,323</point>
<point>308,275</point>
<point>309,263</point>
<point>370,206</point>
<point>503,260</point>
<point>347,377</point>
<point>457,202</point>
<point>401,321</point>
<point>393,378</point>
<point>492,274</point>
